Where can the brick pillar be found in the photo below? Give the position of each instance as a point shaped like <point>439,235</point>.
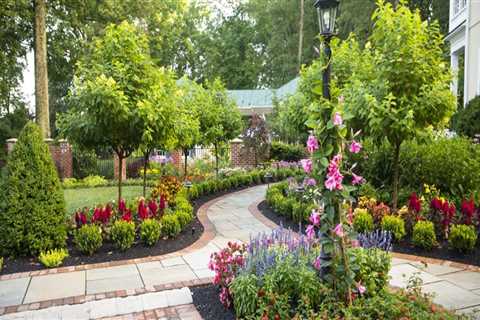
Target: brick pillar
<point>177,159</point>
<point>236,152</point>
<point>10,144</point>
<point>61,155</point>
<point>116,167</point>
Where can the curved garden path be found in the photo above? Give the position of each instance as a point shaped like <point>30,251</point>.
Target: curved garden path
<point>157,287</point>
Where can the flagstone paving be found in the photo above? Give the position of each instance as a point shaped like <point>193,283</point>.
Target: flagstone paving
<point>234,219</point>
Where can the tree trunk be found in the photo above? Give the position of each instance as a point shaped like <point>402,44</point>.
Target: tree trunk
<point>300,35</point>
<point>120,174</point>
<point>185,154</point>
<point>41,76</point>
<point>145,166</point>
<point>216,159</point>
<point>396,174</point>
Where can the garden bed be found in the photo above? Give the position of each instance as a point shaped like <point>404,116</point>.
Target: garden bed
<point>205,299</point>
<point>405,246</point>
<point>109,253</point>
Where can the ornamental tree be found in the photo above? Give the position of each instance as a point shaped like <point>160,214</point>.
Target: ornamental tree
<point>403,89</point>
<point>160,116</point>
<point>256,138</point>
<point>221,121</point>
<point>192,101</point>
<point>114,90</point>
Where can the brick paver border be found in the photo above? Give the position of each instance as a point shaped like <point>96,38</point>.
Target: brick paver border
<point>178,312</point>
<point>468,267</point>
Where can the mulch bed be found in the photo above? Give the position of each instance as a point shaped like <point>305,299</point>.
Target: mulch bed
<point>205,299</point>
<point>441,252</point>
<point>108,252</point>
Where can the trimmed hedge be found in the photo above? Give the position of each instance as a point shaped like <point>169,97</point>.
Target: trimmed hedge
<point>452,165</point>
<point>32,216</point>
<point>287,152</point>
<point>467,120</point>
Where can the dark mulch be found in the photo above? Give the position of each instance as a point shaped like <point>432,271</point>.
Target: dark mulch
<point>405,246</point>
<point>109,253</point>
<point>205,299</point>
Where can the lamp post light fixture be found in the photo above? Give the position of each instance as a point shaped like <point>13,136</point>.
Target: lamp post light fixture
<point>268,178</point>
<point>327,14</point>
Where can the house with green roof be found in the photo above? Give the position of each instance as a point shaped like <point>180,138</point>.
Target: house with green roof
<point>261,100</point>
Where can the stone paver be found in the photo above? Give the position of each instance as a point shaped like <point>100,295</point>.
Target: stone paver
<point>109,307</point>
<point>13,291</point>
<point>466,279</point>
<point>451,296</point>
<point>56,286</point>
<point>436,269</point>
<point>401,273</point>
<point>168,275</point>
<point>113,278</point>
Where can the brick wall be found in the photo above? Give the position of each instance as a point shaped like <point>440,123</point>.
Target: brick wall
<point>241,156</point>
<point>61,154</point>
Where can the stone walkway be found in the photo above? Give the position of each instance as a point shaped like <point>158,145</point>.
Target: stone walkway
<point>135,289</point>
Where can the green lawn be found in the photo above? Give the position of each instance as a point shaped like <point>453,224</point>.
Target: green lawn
<point>78,198</point>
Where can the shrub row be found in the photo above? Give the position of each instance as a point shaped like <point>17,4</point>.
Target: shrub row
<point>280,151</point>
<point>450,164</point>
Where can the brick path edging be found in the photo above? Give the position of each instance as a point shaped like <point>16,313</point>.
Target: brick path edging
<point>208,235</point>
<point>259,216</point>
<point>185,311</point>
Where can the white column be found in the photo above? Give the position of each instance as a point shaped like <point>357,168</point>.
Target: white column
<point>454,67</point>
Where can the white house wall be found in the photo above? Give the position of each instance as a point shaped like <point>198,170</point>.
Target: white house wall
<point>473,64</point>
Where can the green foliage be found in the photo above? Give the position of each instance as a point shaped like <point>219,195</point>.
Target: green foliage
<point>150,230</point>
<point>373,267</point>
<point>32,206</point>
<point>462,237</point>
<point>402,88</point>
<point>94,181</point>
<point>424,235</point>
<point>244,290</point>
<point>53,258</point>
<point>11,124</point>
<point>362,221</point>
<point>467,120</point>
<point>184,217</point>
<point>170,225</point>
<point>287,152</point>
<point>88,239</point>
<point>395,225</point>
<point>122,234</point>
<point>449,164</point>
<point>84,162</point>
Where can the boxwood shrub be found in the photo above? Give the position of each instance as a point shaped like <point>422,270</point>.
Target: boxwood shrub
<point>32,212</point>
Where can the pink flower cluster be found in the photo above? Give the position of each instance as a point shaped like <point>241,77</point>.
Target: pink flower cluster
<point>334,177</point>
<point>312,143</point>
<point>307,165</point>
<point>315,222</point>
<point>225,265</point>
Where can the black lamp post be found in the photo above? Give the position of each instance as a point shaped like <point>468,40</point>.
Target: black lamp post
<point>327,13</point>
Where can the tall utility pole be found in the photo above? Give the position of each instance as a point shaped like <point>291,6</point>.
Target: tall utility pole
<point>41,76</point>
<point>300,34</point>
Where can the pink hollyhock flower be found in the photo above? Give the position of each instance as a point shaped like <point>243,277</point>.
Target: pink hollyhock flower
<point>337,119</point>
<point>307,165</point>
<point>339,230</point>
<point>357,179</point>
<point>312,143</point>
<point>330,183</point>
<point>315,218</point>
<point>310,232</point>
<point>355,147</point>
<point>361,289</point>
<point>317,264</point>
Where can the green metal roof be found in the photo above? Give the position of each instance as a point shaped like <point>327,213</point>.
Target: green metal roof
<point>262,97</point>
